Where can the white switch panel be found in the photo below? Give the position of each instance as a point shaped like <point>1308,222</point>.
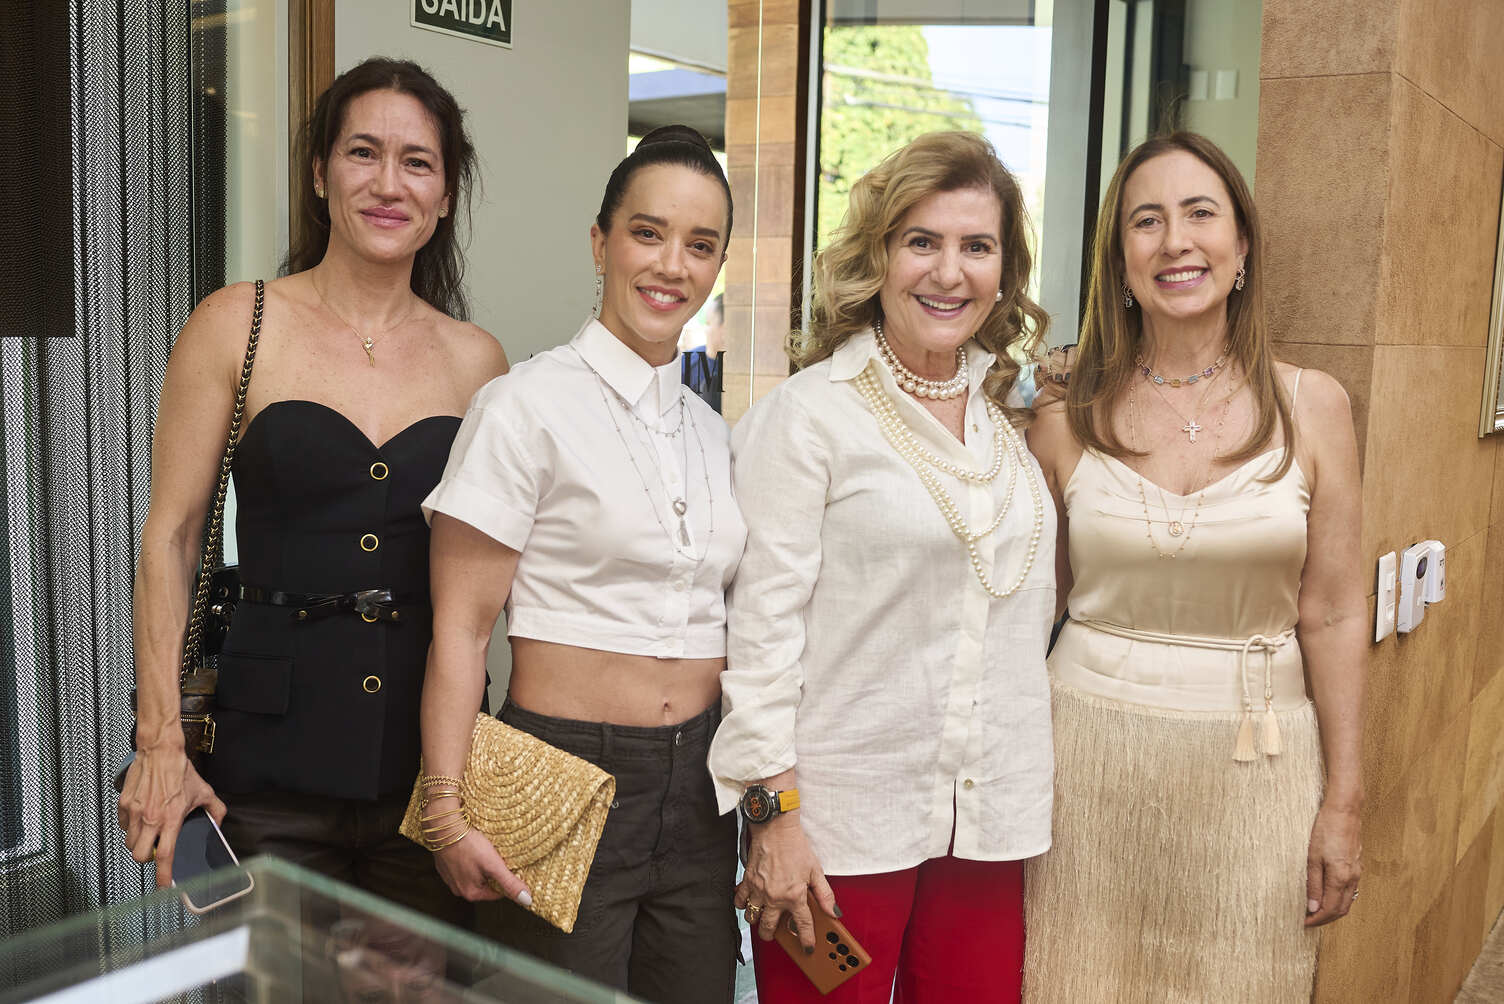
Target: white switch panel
<point>1227,85</point>
<point>1387,597</point>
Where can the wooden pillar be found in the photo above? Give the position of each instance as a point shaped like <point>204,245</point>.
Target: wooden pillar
<point>766,87</point>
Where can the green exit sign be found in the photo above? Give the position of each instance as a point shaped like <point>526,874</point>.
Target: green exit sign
<point>488,21</point>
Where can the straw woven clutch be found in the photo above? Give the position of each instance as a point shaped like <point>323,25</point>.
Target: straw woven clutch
<point>541,807</point>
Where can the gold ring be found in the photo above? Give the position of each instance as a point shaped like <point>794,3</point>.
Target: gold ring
<point>153,855</point>
<point>753,912</point>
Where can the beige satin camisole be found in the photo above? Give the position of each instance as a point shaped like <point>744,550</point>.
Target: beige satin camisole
<point>1212,629</point>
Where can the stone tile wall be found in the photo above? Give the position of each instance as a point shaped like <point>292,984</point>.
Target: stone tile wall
<point>1381,156</point>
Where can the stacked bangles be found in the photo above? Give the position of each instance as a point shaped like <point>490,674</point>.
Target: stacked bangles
<point>447,826</point>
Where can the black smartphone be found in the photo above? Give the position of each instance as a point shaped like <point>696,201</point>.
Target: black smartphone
<point>202,849</point>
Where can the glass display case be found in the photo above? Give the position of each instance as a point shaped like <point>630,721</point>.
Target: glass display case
<point>289,935</point>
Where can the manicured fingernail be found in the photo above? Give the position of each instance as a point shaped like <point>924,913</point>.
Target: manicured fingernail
<point>1312,906</point>
<point>525,898</point>
<point>808,950</point>
<point>838,912</point>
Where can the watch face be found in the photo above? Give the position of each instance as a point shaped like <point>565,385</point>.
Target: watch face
<point>757,804</point>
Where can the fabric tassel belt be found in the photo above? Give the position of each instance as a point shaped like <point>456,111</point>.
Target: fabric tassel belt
<point>1243,748</point>
<point>372,604</point>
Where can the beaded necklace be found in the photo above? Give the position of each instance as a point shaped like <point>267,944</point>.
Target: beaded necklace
<point>907,446</point>
<point>913,383</point>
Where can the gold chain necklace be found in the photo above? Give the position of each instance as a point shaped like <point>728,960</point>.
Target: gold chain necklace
<point>1191,426</point>
<point>1176,527</point>
<point>365,340</point>
<point>905,444</point>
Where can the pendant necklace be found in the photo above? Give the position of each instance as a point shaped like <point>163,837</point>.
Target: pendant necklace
<point>1176,527</point>
<point>1191,426</point>
<point>365,340</point>
<point>678,503</point>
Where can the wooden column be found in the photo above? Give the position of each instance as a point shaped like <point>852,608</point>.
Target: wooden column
<point>766,87</point>
<point>310,71</point>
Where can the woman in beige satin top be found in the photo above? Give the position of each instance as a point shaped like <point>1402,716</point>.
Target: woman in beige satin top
<point>1208,498</point>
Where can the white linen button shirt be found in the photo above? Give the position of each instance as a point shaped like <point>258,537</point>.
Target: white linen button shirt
<point>550,463</point>
<point>864,652</point>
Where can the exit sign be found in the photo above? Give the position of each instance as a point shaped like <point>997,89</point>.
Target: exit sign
<point>488,21</point>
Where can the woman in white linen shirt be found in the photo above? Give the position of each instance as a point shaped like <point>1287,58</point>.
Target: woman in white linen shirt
<point>596,491</point>
<point>894,665</point>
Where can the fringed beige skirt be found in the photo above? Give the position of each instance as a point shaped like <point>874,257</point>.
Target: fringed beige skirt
<point>1176,874</point>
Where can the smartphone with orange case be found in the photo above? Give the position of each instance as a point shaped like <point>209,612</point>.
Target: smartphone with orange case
<point>837,956</point>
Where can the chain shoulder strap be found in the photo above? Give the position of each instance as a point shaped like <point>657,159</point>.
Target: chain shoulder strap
<point>214,530</point>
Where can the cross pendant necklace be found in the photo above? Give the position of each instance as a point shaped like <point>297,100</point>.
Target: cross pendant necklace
<point>1190,428</point>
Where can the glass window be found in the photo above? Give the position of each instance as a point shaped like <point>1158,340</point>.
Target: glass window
<point>1062,89</point>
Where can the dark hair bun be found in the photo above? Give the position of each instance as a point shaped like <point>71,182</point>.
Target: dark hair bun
<point>675,134</point>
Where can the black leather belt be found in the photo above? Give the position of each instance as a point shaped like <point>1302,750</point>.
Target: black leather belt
<point>372,604</point>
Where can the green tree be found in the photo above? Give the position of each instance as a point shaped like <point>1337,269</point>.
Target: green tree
<point>878,95</point>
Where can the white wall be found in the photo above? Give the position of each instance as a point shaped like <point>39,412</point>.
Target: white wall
<point>1225,35</point>
<point>684,31</point>
<point>549,120</point>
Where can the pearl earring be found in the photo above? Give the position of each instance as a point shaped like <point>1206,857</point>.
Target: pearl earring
<point>998,298</point>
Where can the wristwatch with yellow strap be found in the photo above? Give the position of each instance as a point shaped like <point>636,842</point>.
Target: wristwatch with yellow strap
<point>760,803</point>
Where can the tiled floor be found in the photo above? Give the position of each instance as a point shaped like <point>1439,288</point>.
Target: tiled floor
<point>1485,984</point>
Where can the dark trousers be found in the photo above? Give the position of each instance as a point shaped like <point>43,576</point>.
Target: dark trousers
<point>352,840</point>
<point>656,918</point>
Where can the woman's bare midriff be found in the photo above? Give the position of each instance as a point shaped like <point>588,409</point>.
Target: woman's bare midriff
<point>592,685</point>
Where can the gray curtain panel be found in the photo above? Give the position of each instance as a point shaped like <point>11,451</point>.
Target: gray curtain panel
<point>76,416</point>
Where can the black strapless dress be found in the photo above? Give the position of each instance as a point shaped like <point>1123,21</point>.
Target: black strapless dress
<point>328,705</point>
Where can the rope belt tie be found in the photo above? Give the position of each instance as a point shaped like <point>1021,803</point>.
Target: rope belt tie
<point>371,604</point>
<point>1243,748</point>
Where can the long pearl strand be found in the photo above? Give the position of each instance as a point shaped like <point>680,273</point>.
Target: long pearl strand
<point>913,383</point>
<point>903,441</point>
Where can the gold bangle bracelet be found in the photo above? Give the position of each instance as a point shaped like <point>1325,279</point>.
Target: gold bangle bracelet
<point>436,845</point>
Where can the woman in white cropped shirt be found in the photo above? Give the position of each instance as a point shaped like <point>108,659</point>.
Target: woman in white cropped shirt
<point>592,493</point>
<point>885,666</point>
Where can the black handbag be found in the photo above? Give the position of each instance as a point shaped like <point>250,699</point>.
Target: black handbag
<point>217,587</point>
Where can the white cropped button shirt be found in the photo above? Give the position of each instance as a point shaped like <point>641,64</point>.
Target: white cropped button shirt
<point>550,462</point>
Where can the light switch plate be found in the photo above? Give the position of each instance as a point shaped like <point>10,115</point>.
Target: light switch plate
<point>1386,597</point>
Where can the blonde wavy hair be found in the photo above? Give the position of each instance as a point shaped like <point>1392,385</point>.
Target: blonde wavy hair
<point>1111,334</point>
<point>851,270</point>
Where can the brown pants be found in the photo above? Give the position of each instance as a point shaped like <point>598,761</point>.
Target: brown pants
<point>656,918</point>
<point>351,840</point>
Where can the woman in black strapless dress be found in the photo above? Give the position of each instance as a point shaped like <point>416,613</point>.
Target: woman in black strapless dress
<point>317,729</point>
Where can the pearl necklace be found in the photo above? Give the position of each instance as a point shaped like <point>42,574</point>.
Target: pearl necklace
<point>913,383</point>
<point>904,442</point>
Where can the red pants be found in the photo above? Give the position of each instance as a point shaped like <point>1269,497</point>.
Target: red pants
<point>951,930</point>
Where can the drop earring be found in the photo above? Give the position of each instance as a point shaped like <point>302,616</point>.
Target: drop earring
<point>318,190</point>
<point>1238,280</point>
<point>1127,296</point>
<point>600,293</point>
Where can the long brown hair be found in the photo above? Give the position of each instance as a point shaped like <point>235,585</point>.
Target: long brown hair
<point>439,267</point>
<point>1111,334</point>
<point>850,271</point>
